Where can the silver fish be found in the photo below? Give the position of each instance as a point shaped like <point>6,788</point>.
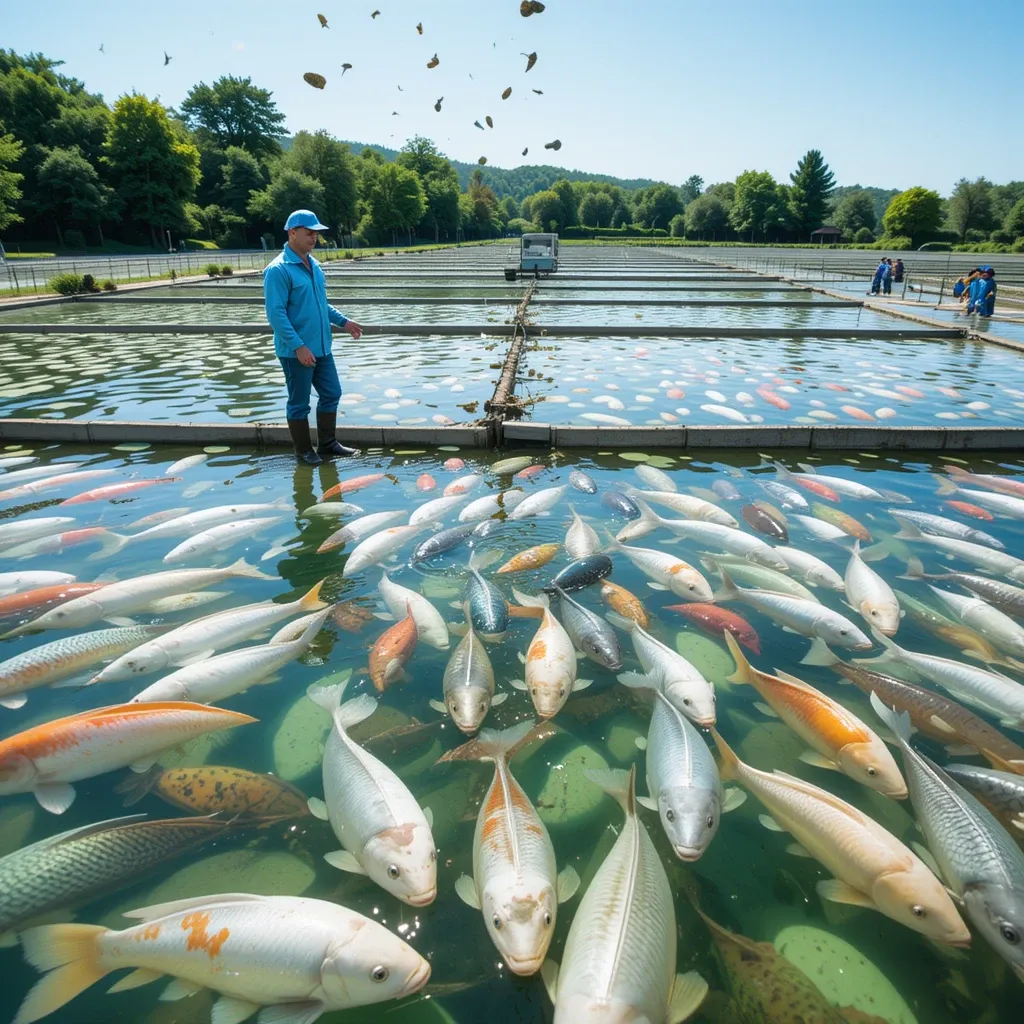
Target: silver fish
<point>1002,791</point>
<point>839,484</point>
<point>468,686</point>
<point>581,540</point>
<point>978,859</point>
<point>582,482</point>
<point>943,527</point>
<point>688,506</point>
<point>590,633</point>
<point>441,542</point>
<point>787,497</point>
<point>488,609</point>
<point>998,562</point>
<point>988,621</point>
<point>811,569</point>
<point>656,479</point>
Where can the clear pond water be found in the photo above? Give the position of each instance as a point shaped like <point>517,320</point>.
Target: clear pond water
<point>746,880</point>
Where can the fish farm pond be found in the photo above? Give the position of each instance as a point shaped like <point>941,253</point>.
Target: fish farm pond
<point>710,734</point>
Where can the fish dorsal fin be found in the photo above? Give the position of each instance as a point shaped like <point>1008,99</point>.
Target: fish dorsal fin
<point>88,830</point>
<point>820,794</point>
<point>786,677</point>
<point>175,906</point>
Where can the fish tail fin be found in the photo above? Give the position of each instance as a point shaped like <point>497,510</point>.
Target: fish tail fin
<point>355,711</point>
<point>328,697</point>
<point>71,955</point>
<point>915,570</point>
<point>888,644</point>
<point>728,591</point>
<point>617,783</point>
<point>907,531</point>
<point>744,671</point>
<point>648,522</point>
<point>110,544</point>
<point>243,568</point>
<point>946,486</point>
<point>729,766</point>
<point>897,721</point>
<point>499,745</point>
<point>303,630</point>
<point>311,601</point>
<point>531,600</point>
<point>135,787</point>
<point>783,473</point>
<point>807,467</point>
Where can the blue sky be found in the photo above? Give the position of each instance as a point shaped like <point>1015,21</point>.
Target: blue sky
<point>639,89</point>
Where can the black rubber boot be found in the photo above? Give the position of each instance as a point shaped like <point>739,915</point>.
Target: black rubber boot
<point>329,445</point>
<point>299,429</point>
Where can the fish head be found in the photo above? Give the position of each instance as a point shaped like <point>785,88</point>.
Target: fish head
<point>871,764</point>
<point>998,913</point>
<point>603,650</point>
<point>696,702</point>
<point>79,612</point>
<point>684,581</point>
<point>16,773</point>
<point>549,695</point>
<point>403,860</point>
<point>769,558</point>
<point>842,633</point>
<point>468,706</point>
<point>520,918</point>
<point>914,897</point>
<point>370,965</point>
<point>690,818</point>
<point>884,616</point>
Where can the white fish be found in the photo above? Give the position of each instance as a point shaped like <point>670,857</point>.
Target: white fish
<point>620,955</point>
<point>505,467</point>
<point>186,463</point>
<point>998,562</point>
<point>20,476</point>
<point>22,530</point>
<point>668,673</point>
<point>194,522</point>
<point>377,547</point>
<point>514,882</point>
<point>158,517</point>
<point>730,414</point>
<point>297,957</point>
<point>364,526</point>
<point>990,622</point>
<point>839,484</point>
<point>715,396</point>
<point>824,531</point>
<point>550,663</point>
<point>870,595</point>
<point>656,479</point>
<point>197,640</point>
<point>811,569</point>
<point>468,685</point>
<point>400,601</point>
<point>689,506</point>
<point>538,502</point>
<point>581,540</point>
<point>30,579</point>
<point>492,504</point>
<point>48,483</point>
<point>435,509</point>
<point>605,419</point>
<point>327,509</point>
<point>463,484</point>
<point>1004,504</point>
<point>669,571</point>
<point>220,677</point>
<point>9,462</point>
<point>179,602</point>
<point>382,829</point>
<point>217,538</point>
<point>129,596</point>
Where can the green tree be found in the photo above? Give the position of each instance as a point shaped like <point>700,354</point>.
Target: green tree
<point>856,210</point>
<point>1005,197</point>
<point>83,127</point>
<point>394,200</point>
<point>329,161</point>
<point>479,209</point>
<point>288,190</point>
<point>152,166</point>
<point>757,208</point>
<point>546,210</point>
<point>691,189</point>
<point>677,226</point>
<point>660,203</point>
<point>970,207</point>
<point>241,175</point>
<point>1014,223</point>
<point>707,217</point>
<point>620,216</point>
<point>915,213</point>
<point>440,186</point>
<point>10,153</point>
<point>71,193</point>
<point>812,184</point>
<point>596,209</point>
<point>509,209</point>
<point>235,113</point>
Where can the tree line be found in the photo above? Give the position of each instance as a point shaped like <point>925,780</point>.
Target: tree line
<point>220,169</point>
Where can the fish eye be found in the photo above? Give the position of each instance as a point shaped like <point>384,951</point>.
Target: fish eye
<point>711,821</point>
<point>534,691</point>
<point>433,855</point>
<point>547,921</point>
<point>872,771</point>
<point>561,691</point>
<point>496,921</point>
<point>917,910</point>
<point>670,815</point>
<point>393,871</point>
<point>843,632</point>
<point>379,973</point>
<point>1010,934</point>
<point>687,701</point>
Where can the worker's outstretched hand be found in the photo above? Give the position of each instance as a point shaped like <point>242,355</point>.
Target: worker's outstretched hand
<point>354,329</point>
<point>305,356</point>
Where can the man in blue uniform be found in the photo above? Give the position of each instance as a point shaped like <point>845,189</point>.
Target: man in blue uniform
<point>982,293</point>
<point>295,293</point>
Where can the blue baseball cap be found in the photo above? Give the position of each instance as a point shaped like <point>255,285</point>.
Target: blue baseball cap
<point>304,219</point>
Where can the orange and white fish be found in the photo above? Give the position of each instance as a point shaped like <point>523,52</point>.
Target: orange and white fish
<point>355,483</point>
<point>970,510</point>
<point>838,739</point>
<point>463,485</point>
<point>771,397</point>
<point>110,491</point>
<point>624,603</point>
<point>51,482</point>
<point>531,558</point>
<point>425,482</point>
<point>857,413</point>
<point>550,663</point>
<point>454,464</point>
<point>836,387</point>
<point>530,471</point>
<point>392,649</point>
<point>46,759</point>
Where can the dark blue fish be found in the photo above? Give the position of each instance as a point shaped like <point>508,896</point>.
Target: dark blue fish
<point>582,573</point>
<point>441,542</point>
<point>621,503</point>
<point>488,609</point>
<point>590,633</point>
<point>582,482</point>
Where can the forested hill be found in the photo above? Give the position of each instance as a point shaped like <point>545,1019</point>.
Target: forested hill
<point>519,182</point>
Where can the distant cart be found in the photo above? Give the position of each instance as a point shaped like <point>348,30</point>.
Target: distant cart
<point>538,254</point>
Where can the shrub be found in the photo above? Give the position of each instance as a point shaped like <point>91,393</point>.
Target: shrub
<point>381,252</point>
<point>89,283</point>
<point>227,270</point>
<point>212,270</point>
<point>677,226</point>
<point>347,254</point>
<point>66,284</point>
<point>893,242</point>
<point>109,286</point>
<point>1000,235</point>
<point>1018,245</point>
<point>74,239</point>
<point>864,236</point>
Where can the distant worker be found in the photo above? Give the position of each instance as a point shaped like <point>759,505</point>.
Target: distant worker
<point>876,281</point>
<point>982,297</point>
<point>897,272</point>
<point>963,284</point>
<point>295,293</point>
<point>887,276</point>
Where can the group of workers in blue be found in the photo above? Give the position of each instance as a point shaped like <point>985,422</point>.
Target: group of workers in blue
<point>885,274</point>
<point>977,290</point>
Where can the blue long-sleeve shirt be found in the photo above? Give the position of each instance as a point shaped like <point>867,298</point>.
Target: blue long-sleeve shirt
<point>982,296</point>
<point>295,297</point>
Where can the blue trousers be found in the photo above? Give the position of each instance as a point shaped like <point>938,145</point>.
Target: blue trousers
<point>322,377</point>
